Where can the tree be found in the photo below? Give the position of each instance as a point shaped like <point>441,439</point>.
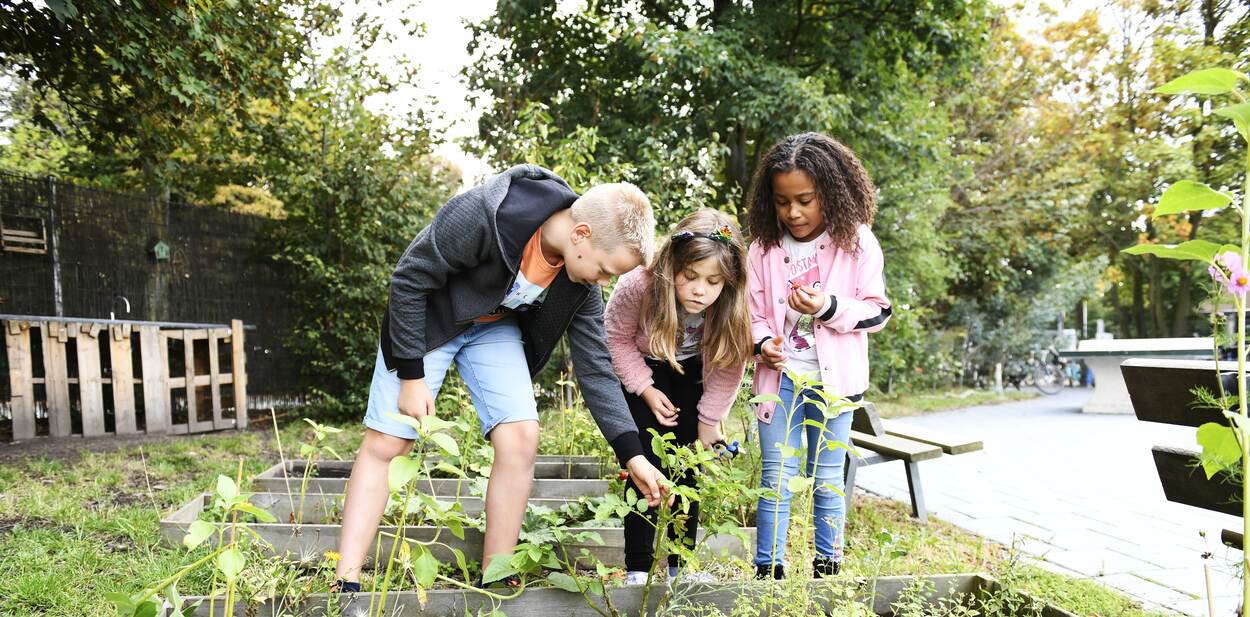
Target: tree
<point>356,185</point>
<point>288,137</point>
<point>1018,200</point>
<point>684,98</point>
<point>134,83</point>
<point>1133,138</point>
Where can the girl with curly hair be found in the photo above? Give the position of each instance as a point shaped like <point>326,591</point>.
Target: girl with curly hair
<point>816,290</point>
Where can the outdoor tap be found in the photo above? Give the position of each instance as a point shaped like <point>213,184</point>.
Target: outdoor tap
<point>126,302</point>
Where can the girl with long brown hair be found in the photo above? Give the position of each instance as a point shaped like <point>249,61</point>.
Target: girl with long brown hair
<point>679,334</point>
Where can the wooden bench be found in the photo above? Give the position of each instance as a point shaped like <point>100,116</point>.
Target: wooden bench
<point>1162,392</point>
<point>883,441</point>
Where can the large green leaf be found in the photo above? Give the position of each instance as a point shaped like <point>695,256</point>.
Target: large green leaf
<point>124,603</point>
<point>1193,250</point>
<point>230,562</point>
<point>1219,448</point>
<point>1190,196</point>
<point>765,398</point>
<point>450,470</point>
<point>197,533</point>
<point>434,424</point>
<point>1240,115</point>
<point>500,567</point>
<point>404,419</point>
<point>149,608</point>
<point>446,442</point>
<point>425,567</point>
<point>799,484</point>
<point>261,515</point>
<point>563,581</point>
<point>402,470</point>
<point>226,488</point>
<point>1202,81</point>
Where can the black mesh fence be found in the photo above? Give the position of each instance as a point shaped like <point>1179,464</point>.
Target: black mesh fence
<point>75,251</point>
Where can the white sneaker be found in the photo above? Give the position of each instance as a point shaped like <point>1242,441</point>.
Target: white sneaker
<point>693,578</point>
<point>634,577</point>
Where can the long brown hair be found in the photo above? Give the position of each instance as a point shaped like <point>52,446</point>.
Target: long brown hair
<point>847,196</point>
<point>727,323</point>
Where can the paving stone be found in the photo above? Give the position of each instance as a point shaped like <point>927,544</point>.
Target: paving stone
<point>1115,523</point>
<point>1224,607</point>
<point>1145,590</point>
<point>1091,563</point>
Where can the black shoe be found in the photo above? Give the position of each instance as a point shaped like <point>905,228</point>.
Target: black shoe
<point>511,581</point>
<point>825,566</point>
<point>762,572</point>
<point>342,586</point>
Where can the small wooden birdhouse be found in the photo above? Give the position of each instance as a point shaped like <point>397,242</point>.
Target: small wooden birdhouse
<point>160,251</point>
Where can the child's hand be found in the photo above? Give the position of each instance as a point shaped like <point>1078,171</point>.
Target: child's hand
<point>807,300</point>
<point>772,354</point>
<point>664,410</point>
<point>709,435</point>
<point>649,480</point>
<point>415,399</point>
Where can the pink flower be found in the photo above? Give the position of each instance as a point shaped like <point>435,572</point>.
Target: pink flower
<point>1217,274</point>
<point>1230,260</point>
<point>1239,282</point>
<point>1227,266</point>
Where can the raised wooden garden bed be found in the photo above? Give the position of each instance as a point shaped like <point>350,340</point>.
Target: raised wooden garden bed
<point>556,477</point>
<point>696,599</point>
<point>308,541</point>
<point>330,477</point>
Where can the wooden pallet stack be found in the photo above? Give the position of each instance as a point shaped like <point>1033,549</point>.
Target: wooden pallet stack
<point>73,359</point>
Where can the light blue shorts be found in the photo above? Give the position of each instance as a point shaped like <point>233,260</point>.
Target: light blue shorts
<point>490,358</point>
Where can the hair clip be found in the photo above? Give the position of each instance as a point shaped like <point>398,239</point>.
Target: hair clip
<point>724,235</point>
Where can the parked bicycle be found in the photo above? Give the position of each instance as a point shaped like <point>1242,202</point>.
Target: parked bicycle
<point>1042,369</point>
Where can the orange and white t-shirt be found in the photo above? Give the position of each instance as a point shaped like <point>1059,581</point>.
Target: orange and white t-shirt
<point>532,280</point>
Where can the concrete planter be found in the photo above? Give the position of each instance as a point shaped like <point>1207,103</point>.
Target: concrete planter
<point>548,602</point>
<point>319,532</point>
<point>561,477</point>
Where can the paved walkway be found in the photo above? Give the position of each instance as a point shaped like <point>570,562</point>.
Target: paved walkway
<point>1080,492</point>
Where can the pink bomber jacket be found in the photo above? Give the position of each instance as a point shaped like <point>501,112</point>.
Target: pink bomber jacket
<point>627,342</point>
<point>856,284</point>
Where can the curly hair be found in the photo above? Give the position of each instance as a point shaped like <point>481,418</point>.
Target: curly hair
<point>847,196</point>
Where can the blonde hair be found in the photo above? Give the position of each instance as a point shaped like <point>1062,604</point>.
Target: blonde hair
<point>727,323</point>
<point>618,213</point>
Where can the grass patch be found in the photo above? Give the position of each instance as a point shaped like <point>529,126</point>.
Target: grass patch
<point>72,531</point>
<point>916,403</point>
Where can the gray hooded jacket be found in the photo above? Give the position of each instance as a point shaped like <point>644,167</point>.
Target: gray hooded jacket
<point>462,265</point>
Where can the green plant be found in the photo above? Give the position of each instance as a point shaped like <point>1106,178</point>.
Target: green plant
<point>228,557</point>
<point>414,558</point>
<point>1223,447</point>
<point>672,515</point>
<point>830,405</point>
<point>310,452</point>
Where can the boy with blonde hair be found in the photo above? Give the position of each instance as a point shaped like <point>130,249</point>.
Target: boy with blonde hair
<point>492,283</point>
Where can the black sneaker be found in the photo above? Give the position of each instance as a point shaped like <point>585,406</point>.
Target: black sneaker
<point>762,572</point>
<point>825,566</point>
<point>342,586</point>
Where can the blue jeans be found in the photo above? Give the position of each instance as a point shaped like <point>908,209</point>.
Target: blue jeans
<point>826,466</point>
<point>490,358</point>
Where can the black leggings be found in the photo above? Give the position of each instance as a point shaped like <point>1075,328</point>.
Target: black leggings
<point>684,391</point>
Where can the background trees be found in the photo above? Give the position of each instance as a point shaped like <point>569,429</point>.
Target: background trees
<point>1013,166</point>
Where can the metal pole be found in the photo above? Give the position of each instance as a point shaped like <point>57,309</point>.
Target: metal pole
<point>53,219</point>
